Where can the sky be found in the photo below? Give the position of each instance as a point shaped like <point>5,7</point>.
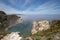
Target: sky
<point>30,6</point>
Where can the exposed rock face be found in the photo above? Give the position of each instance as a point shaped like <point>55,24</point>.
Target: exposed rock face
<point>7,21</point>
<point>13,20</point>
<point>12,36</point>
<point>40,26</point>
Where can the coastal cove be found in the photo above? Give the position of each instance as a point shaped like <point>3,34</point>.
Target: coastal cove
<point>26,26</point>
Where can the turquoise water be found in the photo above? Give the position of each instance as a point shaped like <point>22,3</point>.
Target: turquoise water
<point>23,28</point>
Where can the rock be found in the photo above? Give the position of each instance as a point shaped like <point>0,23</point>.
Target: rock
<point>28,38</point>
<point>40,26</point>
<point>12,36</point>
<point>7,21</point>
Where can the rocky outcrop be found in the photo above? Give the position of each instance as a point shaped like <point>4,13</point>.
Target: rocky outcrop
<point>12,36</point>
<point>51,33</point>
<point>7,21</point>
<point>40,26</point>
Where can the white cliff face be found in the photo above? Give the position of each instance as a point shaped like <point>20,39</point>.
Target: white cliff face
<point>14,21</point>
<point>40,26</point>
<point>19,20</point>
<point>12,36</point>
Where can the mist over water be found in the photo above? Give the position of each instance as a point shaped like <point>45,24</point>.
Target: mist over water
<point>26,26</point>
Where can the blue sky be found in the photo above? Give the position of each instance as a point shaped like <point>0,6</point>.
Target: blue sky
<point>30,6</point>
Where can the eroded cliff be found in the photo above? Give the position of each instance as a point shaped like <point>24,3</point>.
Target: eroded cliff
<point>7,21</point>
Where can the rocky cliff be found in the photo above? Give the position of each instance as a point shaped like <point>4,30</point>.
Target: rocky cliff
<point>40,26</point>
<point>51,33</point>
<point>7,21</point>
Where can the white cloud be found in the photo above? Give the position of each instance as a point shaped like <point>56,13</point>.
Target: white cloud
<point>26,2</point>
<point>8,9</point>
<point>46,8</point>
<point>12,2</point>
<point>18,2</point>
